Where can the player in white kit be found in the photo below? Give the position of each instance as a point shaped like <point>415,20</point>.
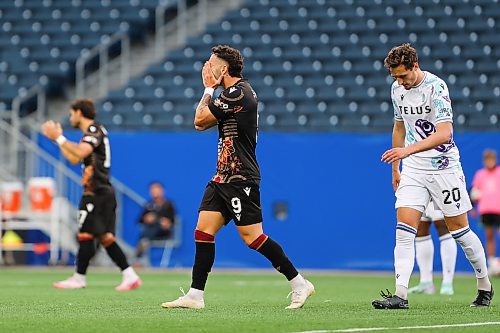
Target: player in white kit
<point>423,137</point>
<point>424,253</point>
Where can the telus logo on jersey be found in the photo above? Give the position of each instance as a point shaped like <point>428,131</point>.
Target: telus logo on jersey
<point>414,110</point>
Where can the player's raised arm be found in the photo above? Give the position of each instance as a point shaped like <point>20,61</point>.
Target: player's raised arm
<point>203,118</point>
<point>72,151</point>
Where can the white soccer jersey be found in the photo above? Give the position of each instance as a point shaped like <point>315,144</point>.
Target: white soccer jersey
<point>421,108</point>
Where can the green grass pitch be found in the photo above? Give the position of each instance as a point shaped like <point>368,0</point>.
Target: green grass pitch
<point>235,302</point>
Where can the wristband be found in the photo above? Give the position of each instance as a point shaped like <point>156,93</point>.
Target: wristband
<point>209,91</point>
<point>61,139</point>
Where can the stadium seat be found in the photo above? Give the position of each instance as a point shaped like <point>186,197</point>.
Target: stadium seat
<point>50,36</point>
<point>320,66</point>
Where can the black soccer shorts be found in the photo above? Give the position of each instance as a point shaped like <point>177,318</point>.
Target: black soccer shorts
<point>490,220</point>
<point>97,214</point>
<point>238,201</point>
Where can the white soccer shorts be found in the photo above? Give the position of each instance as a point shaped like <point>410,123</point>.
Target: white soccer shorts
<point>448,191</point>
<point>432,214</point>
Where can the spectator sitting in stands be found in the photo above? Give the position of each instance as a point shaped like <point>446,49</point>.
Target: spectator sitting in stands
<point>157,219</point>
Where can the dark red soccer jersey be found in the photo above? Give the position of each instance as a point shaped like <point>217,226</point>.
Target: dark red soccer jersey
<point>236,112</point>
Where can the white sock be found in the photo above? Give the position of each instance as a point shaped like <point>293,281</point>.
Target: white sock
<point>491,262</point>
<point>474,252</point>
<point>80,277</point>
<point>448,249</point>
<point>424,252</point>
<point>196,294</point>
<point>129,273</point>
<point>298,282</point>
<point>404,257</point>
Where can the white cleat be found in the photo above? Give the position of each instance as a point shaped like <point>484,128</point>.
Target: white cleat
<point>426,288</point>
<point>129,285</point>
<point>70,283</point>
<point>184,302</point>
<point>299,297</point>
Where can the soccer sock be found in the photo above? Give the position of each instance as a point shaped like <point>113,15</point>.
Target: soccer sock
<point>448,257</point>
<point>116,254</point>
<point>85,252</point>
<point>130,274</point>
<point>80,277</point>
<point>203,260</point>
<point>275,254</point>
<point>196,294</point>
<point>424,252</point>
<point>298,282</point>
<point>474,252</point>
<point>404,257</point>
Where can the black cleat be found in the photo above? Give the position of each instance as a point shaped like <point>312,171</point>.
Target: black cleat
<point>390,301</point>
<point>483,298</point>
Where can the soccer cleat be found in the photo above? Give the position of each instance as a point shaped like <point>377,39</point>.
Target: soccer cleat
<point>129,285</point>
<point>446,289</point>
<point>299,297</point>
<point>390,302</point>
<point>483,298</point>
<point>70,283</point>
<point>423,288</point>
<point>184,302</point>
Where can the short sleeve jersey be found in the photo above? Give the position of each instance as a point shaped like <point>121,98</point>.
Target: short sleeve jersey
<point>421,108</point>
<point>96,166</point>
<point>236,112</point>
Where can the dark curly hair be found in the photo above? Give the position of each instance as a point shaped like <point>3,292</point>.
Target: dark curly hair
<point>86,106</point>
<point>232,56</point>
<point>403,54</point>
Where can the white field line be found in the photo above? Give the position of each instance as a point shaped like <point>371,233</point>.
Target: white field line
<point>370,329</point>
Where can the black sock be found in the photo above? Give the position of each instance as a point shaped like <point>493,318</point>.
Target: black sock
<point>117,255</point>
<point>275,254</point>
<point>86,251</point>
<point>203,262</point>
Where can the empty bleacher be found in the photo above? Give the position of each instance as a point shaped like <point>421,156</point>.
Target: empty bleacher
<point>40,40</point>
<point>318,64</point>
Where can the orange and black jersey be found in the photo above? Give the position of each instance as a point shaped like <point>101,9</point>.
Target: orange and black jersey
<point>96,165</point>
<point>236,112</point>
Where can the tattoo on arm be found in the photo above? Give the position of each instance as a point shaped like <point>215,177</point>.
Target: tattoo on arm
<point>205,100</point>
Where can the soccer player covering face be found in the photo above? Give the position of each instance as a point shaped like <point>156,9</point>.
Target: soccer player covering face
<point>423,137</point>
<point>98,204</point>
<point>233,193</point>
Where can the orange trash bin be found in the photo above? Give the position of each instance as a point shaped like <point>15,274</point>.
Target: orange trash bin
<point>11,196</point>
<point>41,191</point>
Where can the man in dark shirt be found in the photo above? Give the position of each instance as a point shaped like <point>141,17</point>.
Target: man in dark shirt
<point>234,191</point>
<point>98,203</point>
<point>157,218</point>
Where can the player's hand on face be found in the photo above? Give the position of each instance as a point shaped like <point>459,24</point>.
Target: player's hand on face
<point>209,79</point>
<point>51,129</point>
<point>394,155</point>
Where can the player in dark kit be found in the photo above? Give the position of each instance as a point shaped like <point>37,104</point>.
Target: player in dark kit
<point>98,203</point>
<point>233,193</point>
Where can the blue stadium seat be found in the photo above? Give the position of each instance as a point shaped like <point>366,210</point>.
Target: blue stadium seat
<point>320,67</point>
<point>50,36</point>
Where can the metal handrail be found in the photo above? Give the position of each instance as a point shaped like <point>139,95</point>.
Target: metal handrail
<point>102,51</point>
<point>61,167</point>
<point>162,27</point>
<point>68,182</point>
<point>15,118</point>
